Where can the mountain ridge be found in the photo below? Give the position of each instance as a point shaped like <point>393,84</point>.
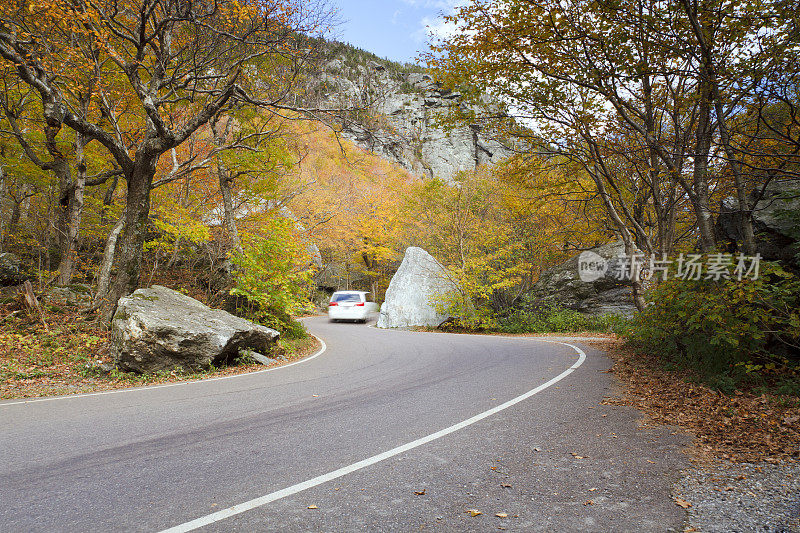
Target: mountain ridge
<point>397,112</point>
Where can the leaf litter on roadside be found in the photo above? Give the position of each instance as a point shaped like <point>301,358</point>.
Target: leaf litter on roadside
<point>743,427</point>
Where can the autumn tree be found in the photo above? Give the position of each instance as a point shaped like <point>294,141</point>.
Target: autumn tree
<point>350,203</point>
<point>58,151</point>
<point>497,228</point>
<point>639,95</point>
<point>582,76</point>
<point>180,63</point>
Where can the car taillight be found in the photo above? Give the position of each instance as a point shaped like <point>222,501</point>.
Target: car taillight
<point>332,304</point>
<point>360,304</point>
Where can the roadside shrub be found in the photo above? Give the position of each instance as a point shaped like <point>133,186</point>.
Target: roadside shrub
<point>729,332</point>
<point>552,319</point>
<point>273,278</point>
<point>465,316</point>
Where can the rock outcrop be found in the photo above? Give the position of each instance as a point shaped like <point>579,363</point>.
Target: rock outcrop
<point>74,295</point>
<point>776,223</point>
<point>403,108</point>
<point>161,329</point>
<point>562,285</point>
<point>10,273</point>
<point>420,282</point>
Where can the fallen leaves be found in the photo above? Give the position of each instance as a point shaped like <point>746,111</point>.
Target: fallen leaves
<point>501,515</point>
<point>680,502</point>
<point>420,492</point>
<point>473,512</point>
<point>743,427</point>
<point>312,507</point>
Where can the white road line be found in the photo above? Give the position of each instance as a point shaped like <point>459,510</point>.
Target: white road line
<point>313,482</point>
<point>319,352</point>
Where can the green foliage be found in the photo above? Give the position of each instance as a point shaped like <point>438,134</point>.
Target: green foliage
<point>175,228</point>
<point>729,332</point>
<point>273,277</point>
<point>458,305</point>
<point>245,357</point>
<point>787,387</point>
<point>551,319</point>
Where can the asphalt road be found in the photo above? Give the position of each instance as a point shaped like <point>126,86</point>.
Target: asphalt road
<point>161,457</point>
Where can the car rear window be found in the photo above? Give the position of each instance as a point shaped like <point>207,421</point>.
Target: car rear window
<point>346,297</point>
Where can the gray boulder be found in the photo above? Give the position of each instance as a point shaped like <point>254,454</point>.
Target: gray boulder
<point>618,301</point>
<point>776,222</point>
<point>562,285</point>
<point>73,295</point>
<point>9,269</point>
<point>411,298</point>
<point>161,329</point>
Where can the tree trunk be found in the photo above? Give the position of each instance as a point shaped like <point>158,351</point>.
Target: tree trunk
<point>636,283</point>
<point>13,220</point>
<point>700,202</point>
<point>227,203</point>
<point>703,24</point>
<point>104,273</point>
<point>108,200</point>
<point>71,211</point>
<point>745,211</point>
<point>220,136</point>
<point>48,235</point>
<point>134,232</point>
<point>2,206</point>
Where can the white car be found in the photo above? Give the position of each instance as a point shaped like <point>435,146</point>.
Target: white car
<point>351,305</point>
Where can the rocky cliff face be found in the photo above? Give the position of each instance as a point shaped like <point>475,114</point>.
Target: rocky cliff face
<point>776,222</point>
<point>400,112</point>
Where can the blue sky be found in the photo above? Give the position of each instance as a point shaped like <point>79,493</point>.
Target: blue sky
<point>395,29</point>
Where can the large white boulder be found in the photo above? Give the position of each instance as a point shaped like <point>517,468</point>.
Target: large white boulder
<point>420,282</point>
<point>161,329</point>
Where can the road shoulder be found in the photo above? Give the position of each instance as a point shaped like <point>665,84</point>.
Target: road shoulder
<point>745,448</point>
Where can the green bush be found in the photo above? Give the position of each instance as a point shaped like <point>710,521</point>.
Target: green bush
<point>729,332</point>
<point>273,279</point>
<point>551,319</point>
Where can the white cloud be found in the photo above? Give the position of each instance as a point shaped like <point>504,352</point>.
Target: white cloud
<point>435,27</point>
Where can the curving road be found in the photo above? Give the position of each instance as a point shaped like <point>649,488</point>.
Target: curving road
<point>384,431</point>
